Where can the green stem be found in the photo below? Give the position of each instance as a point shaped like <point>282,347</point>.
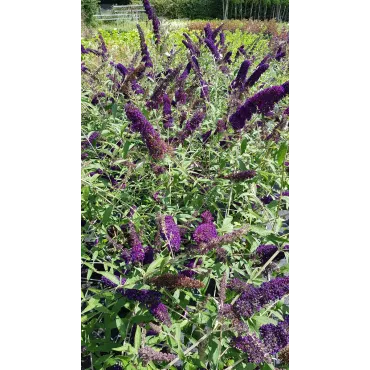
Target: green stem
<point>205,336</point>
<point>236,363</point>
<point>265,265</point>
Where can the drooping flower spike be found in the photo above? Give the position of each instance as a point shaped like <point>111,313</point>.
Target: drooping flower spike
<point>156,146</point>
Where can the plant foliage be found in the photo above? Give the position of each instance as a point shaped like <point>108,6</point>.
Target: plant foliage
<point>185,198</point>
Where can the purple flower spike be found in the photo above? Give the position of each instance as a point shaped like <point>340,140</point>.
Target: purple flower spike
<point>149,255</point>
<point>267,199</point>
<point>221,126</point>
<point>208,31</point>
<point>212,47</point>
<point>167,116</point>
<point>136,87</point>
<point>180,96</point>
<point>186,72</point>
<point>242,175</point>
<point>241,51</point>
<point>195,64</point>
<point>83,50</point>
<point>264,101</point>
<point>194,123</point>
<point>157,147</point>
<point>267,98</point>
<point>207,217</point>
<point>95,135</point>
<point>148,354</point>
<point>205,233</point>
<point>148,9</point>
<point>222,39</point>
<point>121,69</point>
<point>227,58</point>
<point>241,76</point>
<point>137,253</point>
<point>254,77</point>
<point>265,59</point>
<point>160,312</point>
<point>274,290</point>
<point>95,99</point>
<point>171,233</point>
<point>275,337</point>
<point>257,353</point>
<point>265,252</point>
<point>156,24</point>
<point>216,32</point>
<point>285,86</point>
<point>206,136</point>
<point>103,46</point>
<point>148,297</point>
<point>244,113</point>
<point>190,45</point>
<point>83,67</point>
<point>280,54</point>
<point>144,49</point>
<point>253,299</point>
<point>204,93</point>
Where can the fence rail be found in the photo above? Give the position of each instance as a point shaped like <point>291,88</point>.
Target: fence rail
<point>127,6</point>
<point>122,12</point>
<point>117,17</point>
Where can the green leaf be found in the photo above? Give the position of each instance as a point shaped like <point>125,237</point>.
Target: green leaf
<point>126,147</point>
<point>137,340</point>
<point>242,165</point>
<point>110,276</point>
<point>243,146</point>
<point>114,109</point>
<point>268,367</point>
<point>95,254</point>
<point>154,265</point>
<point>280,156</point>
<point>93,302</point>
<point>178,338</point>
<point>262,320</point>
<point>227,225</point>
<point>214,351</point>
<point>132,281</point>
<point>107,213</point>
<point>260,230</point>
<point>141,318</point>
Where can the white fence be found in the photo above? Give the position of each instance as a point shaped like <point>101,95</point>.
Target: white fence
<point>122,13</point>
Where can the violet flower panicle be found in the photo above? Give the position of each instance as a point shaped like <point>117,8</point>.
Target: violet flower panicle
<point>157,147</point>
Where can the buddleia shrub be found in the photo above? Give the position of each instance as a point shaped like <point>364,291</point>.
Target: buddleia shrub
<point>185,198</point>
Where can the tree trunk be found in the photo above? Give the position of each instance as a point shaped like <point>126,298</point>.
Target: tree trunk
<point>282,16</point>
<point>226,9</point>
<point>259,7</point>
